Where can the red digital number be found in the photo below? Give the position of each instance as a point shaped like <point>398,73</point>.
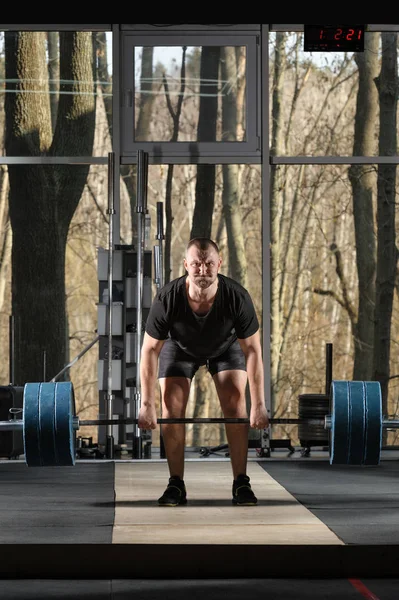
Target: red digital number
<point>337,35</point>
<point>350,34</point>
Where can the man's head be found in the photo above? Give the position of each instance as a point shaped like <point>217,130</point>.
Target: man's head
<point>202,262</point>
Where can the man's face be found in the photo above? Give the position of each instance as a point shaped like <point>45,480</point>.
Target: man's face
<point>202,266</point>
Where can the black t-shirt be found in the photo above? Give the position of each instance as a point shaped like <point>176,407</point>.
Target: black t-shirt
<point>231,316</point>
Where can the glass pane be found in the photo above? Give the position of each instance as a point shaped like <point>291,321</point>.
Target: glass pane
<point>44,283</point>
<point>55,93</point>
<point>327,103</point>
<point>236,226</point>
<point>190,94</point>
<point>325,282</point>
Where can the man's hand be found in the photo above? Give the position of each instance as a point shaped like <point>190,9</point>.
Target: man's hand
<point>147,417</point>
<point>259,418</point>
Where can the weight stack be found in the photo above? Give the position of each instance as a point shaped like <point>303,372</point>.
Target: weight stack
<point>313,406</point>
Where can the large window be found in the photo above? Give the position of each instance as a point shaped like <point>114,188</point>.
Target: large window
<point>233,208</point>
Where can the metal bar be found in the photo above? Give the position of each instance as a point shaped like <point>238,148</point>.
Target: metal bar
<point>12,425</point>
<point>329,367</point>
<point>162,421</point>
<point>53,160</point>
<point>141,209</point>
<point>110,212</point>
<point>17,424</point>
<point>334,160</point>
<point>12,349</point>
<point>159,249</point>
<point>44,365</point>
<point>392,423</point>
<point>70,364</point>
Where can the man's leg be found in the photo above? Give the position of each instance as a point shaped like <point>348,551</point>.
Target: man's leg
<point>175,392</point>
<point>230,386</point>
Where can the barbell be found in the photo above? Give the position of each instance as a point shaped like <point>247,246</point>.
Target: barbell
<point>49,423</point>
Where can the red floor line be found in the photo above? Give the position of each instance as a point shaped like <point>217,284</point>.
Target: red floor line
<point>362,589</point>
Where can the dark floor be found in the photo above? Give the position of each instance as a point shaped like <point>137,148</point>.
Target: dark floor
<point>216,589</point>
<point>57,523</point>
<point>56,505</point>
<point>359,504</point>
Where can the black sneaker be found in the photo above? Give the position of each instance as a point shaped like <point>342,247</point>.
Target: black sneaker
<point>242,492</point>
<point>174,494</point>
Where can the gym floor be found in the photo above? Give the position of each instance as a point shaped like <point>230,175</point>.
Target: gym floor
<point>96,531</point>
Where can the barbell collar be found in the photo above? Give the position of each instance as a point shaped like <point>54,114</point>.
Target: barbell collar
<point>391,423</point>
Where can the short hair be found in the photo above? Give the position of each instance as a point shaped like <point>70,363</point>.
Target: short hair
<point>202,243</point>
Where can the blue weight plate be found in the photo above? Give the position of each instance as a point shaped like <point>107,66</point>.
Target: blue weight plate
<point>47,424</point>
<point>339,433</point>
<point>373,442</point>
<point>31,424</point>
<point>357,422</point>
<point>65,438</point>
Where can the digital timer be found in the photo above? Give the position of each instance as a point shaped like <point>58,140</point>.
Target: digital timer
<point>334,38</point>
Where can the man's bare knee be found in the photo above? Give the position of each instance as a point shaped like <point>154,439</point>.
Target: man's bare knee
<point>174,391</point>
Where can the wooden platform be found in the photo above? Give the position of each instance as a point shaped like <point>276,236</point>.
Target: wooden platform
<point>209,517</point>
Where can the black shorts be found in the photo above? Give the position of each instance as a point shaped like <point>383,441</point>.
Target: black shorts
<point>174,362</point>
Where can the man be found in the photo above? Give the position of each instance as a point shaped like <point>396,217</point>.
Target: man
<point>203,318</point>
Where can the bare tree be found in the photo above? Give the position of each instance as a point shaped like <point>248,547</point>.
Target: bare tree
<point>276,188</point>
<point>53,74</point>
<point>205,189</point>
<point>175,114</point>
<point>362,179</point>
<point>387,254</point>
<point>40,208</point>
<point>230,195</point>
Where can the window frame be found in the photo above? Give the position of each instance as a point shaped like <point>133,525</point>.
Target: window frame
<point>194,152</point>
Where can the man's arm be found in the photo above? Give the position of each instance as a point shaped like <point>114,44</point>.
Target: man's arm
<point>150,350</point>
<point>253,356</point>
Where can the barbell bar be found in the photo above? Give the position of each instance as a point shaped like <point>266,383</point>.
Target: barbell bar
<point>49,423</point>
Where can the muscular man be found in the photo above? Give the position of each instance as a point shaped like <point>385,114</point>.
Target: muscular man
<point>203,318</point>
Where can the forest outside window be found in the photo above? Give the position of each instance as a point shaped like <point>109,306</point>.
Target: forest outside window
<point>332,103</point>
<point>184,99</point>
<point>55,93</point>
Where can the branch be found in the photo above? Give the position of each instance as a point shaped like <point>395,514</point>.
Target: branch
<point>344,286</point>
<point>330,293</point>
<point>168,102</point>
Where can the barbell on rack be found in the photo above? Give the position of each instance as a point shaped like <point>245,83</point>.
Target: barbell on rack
<point>49,423</point>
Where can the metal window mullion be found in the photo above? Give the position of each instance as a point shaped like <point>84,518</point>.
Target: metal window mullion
<point>334,160</point>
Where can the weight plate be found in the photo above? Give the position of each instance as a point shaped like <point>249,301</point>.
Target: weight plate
<point>65,437</point>
<point>47,424</point>
<point>357,421</point>
<point>373,441</point>
<point>31,431</point>
<point>339,433</point>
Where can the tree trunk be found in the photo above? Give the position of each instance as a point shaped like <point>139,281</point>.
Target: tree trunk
<point>142,131</point>
<point>205,196</point>
<point>146,95</point>
<point>54,74</point>
<point>387,84</point>
<point>230,196</point>
<point>175,114</point>
<point>40,210</point>
<point>277,144</point>
<point>362,179</point>
<point>103,76</point>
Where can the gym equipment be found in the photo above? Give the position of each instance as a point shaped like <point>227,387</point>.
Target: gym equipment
<point>49,423</point>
